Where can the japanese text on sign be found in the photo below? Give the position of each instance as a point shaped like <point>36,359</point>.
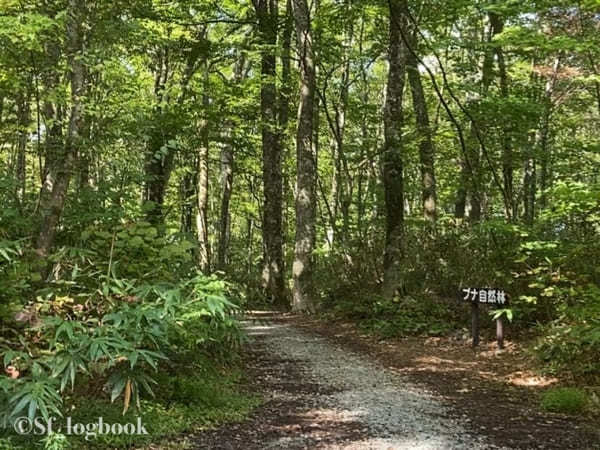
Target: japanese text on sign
<point>485,295</point>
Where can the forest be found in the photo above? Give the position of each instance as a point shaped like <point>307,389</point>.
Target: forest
<point>166,167</point>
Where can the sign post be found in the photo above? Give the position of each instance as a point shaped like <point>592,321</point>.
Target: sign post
<point>487,296</point>
<point>500,332</point>
<point>475,323</point>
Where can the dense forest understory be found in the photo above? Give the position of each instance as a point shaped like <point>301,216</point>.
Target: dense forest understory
<point>166,166</point>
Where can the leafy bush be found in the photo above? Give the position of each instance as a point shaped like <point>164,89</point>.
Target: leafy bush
<point>119,332</point>
<point>138,251</point>
<point>572,341</point>
<point>564,400</point>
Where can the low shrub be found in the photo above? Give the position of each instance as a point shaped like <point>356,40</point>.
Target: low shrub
<point>566,400</point>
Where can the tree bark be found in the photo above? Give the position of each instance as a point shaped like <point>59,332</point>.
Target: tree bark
<point>227,156</point>
<point>510,206</point>
<point>273,273</point>
<point>529,184</point>
<point>472,173</point>
<point>305,163</point>
<point>543,134</point>
<point>53,118</point>
<point>53,208</point>
<point>23,118</point>
<point>341,179</point>
<point>202,186</point>
<point>187,193</point>
<point>285,94</point>
<point>392,152</point>
<point>159,155</point>
<point>426,148</point>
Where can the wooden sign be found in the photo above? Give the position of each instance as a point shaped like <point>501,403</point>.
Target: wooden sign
<point>485,296</point>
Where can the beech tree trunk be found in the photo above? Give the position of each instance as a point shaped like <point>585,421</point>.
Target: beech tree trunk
<point>305,163</point>
<point>23,117</point>
<point>510,206</point>
<point>392,151</point>
<point>53,117</point>
<point>160,153</point>
<point>273,273</point>
<point>227,156</point>
<point>285,94</point>
<point>52,207</point>
<point>426,148</point>
<point>202,186</point>
<point>187,193</point>
<point>543,135</point>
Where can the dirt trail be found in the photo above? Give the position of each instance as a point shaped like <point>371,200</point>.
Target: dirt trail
<point>321,396</point>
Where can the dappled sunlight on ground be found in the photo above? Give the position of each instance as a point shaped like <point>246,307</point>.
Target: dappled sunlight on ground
<point>530,379</point>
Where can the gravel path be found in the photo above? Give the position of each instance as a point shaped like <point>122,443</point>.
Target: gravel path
<point>320,396</point>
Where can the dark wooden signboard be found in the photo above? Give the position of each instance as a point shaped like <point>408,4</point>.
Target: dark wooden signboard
<point>485,296</point>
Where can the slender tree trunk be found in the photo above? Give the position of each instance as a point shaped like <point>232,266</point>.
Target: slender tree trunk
<point>306,163</point>
<point>187,194</point>
<point>344,181</point>
<point>529,184</point>
<point>23,118</point>
<point>426,149</point>
<point>334,193</point>
<point>472,174</point>
<point>159,161</point>
<point>53,118</point>
<point>497,25</point>
<point>392,154</point>
<point>227,156</point>
<point>460,204</point>
<point>84,157</point>
<point>202,186</point>
<point>160,154</point>
<point>52,209</point>
<point>225,218</point>
<point>273,273</point>
<point>364,144</point>
<point>543,134</point>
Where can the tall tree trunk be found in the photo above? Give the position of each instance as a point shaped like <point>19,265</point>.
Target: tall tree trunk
<point>159,161</point>
<point>285,91</point>
<point>305,163</point>
<point>471,172</point>
<point>341,181</point>
<point>187,193</point>
<point>53,119</point>
<point>364,143</point>
<point>510,206</point>
<point>529,183</point>
<point>460,204</point>
<point>160,154</point>
<point>543,134</point>
<point>227,156</point>
<point>426,149</point>
<point>52,209</point>
<point>392,152</point>
<point>202,186</point>
<point>226,189</point>
<point>23,118</point>
<point>285,94</point>
<point>273,274</point>
<point>84,156</point>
